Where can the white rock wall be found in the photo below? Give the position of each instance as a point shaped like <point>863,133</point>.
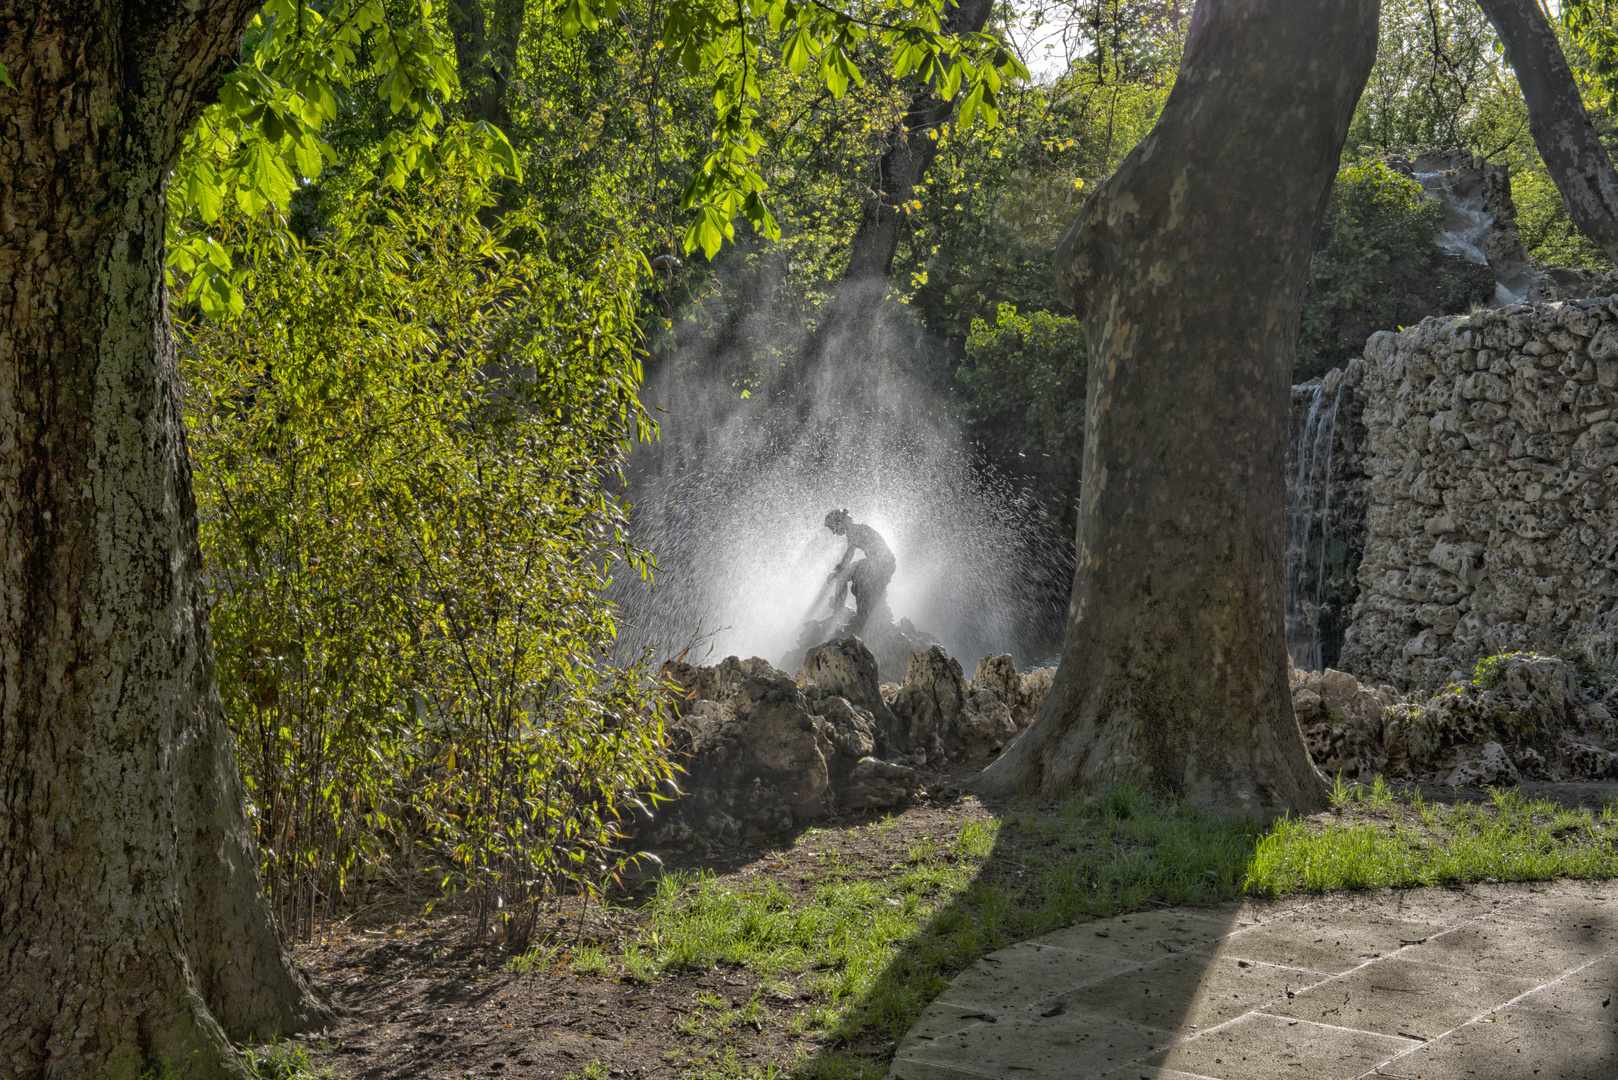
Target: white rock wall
<point>1491,460</point>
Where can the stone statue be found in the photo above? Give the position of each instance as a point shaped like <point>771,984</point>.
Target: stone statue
<point>868,577</point>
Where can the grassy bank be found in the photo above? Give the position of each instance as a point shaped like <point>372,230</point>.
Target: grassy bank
<point>868,944</point>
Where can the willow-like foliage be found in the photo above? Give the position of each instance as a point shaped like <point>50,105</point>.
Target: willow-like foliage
<point>403,449</point>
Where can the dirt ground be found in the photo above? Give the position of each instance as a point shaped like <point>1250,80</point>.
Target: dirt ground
<point>421,999</point>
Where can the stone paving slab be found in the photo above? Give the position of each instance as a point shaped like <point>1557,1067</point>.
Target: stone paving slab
<point>1486,983</point>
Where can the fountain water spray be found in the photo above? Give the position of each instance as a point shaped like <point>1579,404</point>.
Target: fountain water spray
<point>732,506</point>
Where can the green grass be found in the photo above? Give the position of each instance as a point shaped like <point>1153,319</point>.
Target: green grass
<point>875,950</point>
<point>282,1061</point>
<point>726,1067</point>
<point>873,945</point>
<point>539,958</point>
<point>1411,842</point>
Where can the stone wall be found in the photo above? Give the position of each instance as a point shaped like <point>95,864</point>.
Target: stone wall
<point>1491,472</point>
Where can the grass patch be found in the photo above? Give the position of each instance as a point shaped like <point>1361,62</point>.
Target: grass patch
<point>1376,839</point>
<point>283,1061</point>
<point>539,958</point>
<point>874,950</point>
<point>868,942</point>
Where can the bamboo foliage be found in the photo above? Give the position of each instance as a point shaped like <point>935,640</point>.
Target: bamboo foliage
<point>402,446</point>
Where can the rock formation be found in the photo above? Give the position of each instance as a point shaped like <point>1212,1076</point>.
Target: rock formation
<point>890,643</point>
<point>1491,465</point>
<point>1522,716</point>
<point>763,753</point>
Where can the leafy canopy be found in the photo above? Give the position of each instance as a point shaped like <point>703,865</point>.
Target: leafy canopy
<point>263,138</point>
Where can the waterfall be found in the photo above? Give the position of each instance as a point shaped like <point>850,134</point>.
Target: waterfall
<point>1309,521</point>
<point>1466,221</point>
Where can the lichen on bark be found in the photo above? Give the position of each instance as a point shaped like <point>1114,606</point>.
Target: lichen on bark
<point>133,936</point>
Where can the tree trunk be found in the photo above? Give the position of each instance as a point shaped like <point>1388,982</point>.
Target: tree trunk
<point>1188,268</point>
<point>849,330</point>
<point>133,934</point>
<point>1562,131</point>
<point>486,54</point>
<point>905,161</point>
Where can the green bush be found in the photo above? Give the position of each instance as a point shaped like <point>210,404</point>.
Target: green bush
<point>1023,390</point>
<point>1377,267</point>
<point>400,447</point>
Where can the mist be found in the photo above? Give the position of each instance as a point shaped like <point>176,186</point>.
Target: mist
<point>762,436</point>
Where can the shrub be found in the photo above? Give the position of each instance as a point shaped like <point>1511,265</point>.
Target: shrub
<point>1377,267</point>
<point>401,447</point>
<point>1023,390</point>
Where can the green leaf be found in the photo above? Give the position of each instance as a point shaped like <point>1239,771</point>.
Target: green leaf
<point>577,16</point>
<point>205,192</point>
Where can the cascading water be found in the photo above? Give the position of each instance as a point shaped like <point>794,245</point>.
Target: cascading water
<point>1466,222</point>
<point>1476,223</point>
<point>1309,521</point>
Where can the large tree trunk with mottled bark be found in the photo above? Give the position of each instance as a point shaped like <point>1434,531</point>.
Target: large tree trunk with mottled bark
<point>1562,131</point>
<point>133,935</point>
<point>1188,268</point>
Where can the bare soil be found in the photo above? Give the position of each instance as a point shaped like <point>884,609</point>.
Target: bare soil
<point>421,998</point>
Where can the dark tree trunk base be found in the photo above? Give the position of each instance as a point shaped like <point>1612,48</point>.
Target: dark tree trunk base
<point>1188,267</point>
<point>133,935</point>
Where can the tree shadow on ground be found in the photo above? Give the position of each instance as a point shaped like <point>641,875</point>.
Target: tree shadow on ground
<point>1050,866</point>
<point>1085,1006</point>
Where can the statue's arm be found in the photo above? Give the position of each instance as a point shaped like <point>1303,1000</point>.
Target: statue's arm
<point>846,561</point>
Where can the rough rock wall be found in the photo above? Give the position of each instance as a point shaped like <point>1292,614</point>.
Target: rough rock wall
<point>1491,462</point>
<point>1522,716</point>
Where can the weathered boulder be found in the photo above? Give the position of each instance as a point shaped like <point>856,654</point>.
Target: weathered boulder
<point>942,718</point>
<point>873,784</point>
<point>846,667</point>
<point>1342,721</point>
<point>763,753</point>
<point>1023,695</point>
<point>1000,674</point>
<point>762,756</point>
<point>1521,716</point>
<point>1036,687</point>
<point>890,643</point>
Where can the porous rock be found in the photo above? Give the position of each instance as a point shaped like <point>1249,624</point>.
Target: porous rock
<point>846,667</point>
<point>762,754</point>
<point>942,718</point>
<point>1490,464</point>
<point>1520,716</point>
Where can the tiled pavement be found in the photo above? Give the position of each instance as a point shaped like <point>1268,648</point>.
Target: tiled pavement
<point>1491,983</point>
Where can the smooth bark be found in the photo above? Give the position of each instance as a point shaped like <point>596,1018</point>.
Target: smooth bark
<point>1562,131</point>
<point>1188,268</point>
<point>133,935</point>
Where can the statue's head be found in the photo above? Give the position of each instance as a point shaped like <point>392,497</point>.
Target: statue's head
<point>837,521</point>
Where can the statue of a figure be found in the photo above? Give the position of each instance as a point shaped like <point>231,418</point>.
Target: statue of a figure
<point>868,577</point>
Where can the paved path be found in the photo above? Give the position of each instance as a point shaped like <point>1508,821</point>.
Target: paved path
<point>1491,983</point>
